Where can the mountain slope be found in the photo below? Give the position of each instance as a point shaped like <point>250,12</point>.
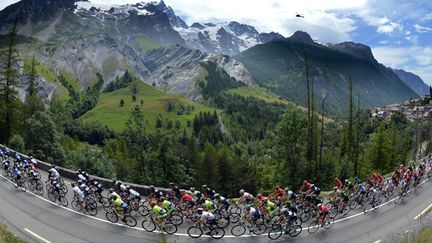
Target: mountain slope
<point>413,81</point>
<point>155,104</point>
<point>279,66</point>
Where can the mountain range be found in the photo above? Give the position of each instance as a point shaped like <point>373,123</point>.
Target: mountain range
<point>78,39</point>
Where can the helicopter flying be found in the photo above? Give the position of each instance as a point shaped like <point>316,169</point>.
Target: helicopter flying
<point>299,15</point>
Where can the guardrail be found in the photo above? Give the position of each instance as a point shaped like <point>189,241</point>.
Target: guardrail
<point>71,174</point>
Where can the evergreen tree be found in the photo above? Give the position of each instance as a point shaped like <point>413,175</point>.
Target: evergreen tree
<point>121,103</point>
<point>9,82</point>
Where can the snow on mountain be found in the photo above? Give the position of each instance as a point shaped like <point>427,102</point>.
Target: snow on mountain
<point>228,38</point>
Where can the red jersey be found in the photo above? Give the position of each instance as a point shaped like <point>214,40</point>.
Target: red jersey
<point>323,208</point>
<point>338,183</point>
<point>280,192</point>
<point>187,197</point>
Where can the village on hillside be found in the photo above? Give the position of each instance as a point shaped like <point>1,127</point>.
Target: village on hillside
<point>413,109</point>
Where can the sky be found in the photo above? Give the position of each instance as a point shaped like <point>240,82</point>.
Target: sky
<point>398,31</point>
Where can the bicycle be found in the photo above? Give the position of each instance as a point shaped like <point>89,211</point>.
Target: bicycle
<point>213,231</point>
<point>36,185</point>
<point>113,216</point>
<point>164,225</point>
<point>321,221</point>
<point>20,183</point>
<point>57,195</point>
<point>255,228</point>
<point>372,204</point>
<point>88,204</point>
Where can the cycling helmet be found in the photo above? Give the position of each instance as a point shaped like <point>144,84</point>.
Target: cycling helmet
<point>286,189</point>
<point>111,190</point>
<point>56,167</point>
<point>79,181</point>
<point>200,209</point>
<point>319,205</point>
<point>114,181</point>
<point>283,210</point>
<point>171,184</point>
<point>216,195</point>
<point>162,199</point>
<point>259,195</point>
<point>204,186</point>
<point>248,208</point>
<point>73,184</point>
<point>241,192</point>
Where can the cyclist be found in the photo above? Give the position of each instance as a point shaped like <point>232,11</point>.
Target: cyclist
<point>187,200</point>
<point>271,208</point>
<point>252,214</point>
<point>209,205</point>
<point>206,218</point>
<point>167,205</point>
<point>306,186</point>
<point>121,206</point>
<point>279,193</point>
<point>323,211</point>
<point>209,193</point>
<point>222,202</point>
<point>158,211</point>
<point>78,193</point>
<point>245,197</point>
<point>17,172</point>
<point>112,193</point>
<point>155,194</point>
<point>338,183</point>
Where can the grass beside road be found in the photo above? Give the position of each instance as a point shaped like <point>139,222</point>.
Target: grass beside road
<point>425,236</point>
<point>8,237</point>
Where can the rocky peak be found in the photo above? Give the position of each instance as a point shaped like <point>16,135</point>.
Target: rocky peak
<point>355,49</point>
<point>301,36</point>
<point>33,11</point>
<point>243,29</point>
<point>267,37</point>
<point>198,26</point>
<point>176,22</point>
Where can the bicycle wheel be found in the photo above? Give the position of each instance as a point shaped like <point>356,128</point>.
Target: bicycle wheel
<point>64,201</point>
<point>39,188</point>
<point>31,184</point>
<point>76,205</point>
<point>234,218</point>
<point>111,216</point>
<point>346,209</point>
<point>148,225</point>
<point>305,216</point>
<point>176,218</point>
<point>260,229</point>
<point>235,209</point>
<point>353,205</point>
<point>217,233</point>
<point>22,185</point>
<point>143,210</point>
<point>295,230</point>
<point>130,221</point>
<point>51,196</point>
<point>238,230</point>
<point>334,211</point>
<point>104,201</point>
<point>194,232</point>
<point>169,228</point>
<point>91,207</point>
<point>275,232</point>
<point>222,223</point>
<point>313,227</point>
<point>328,223</point>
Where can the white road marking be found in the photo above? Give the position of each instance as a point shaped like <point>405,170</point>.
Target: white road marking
<point>183,234</point>
<point>378,241</point>
<point>37,236</point>
<point>423,212</point>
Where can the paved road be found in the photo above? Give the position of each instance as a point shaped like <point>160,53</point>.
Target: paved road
<point>43,221</point>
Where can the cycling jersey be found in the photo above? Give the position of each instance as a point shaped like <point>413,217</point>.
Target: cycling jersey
<point>78,192</point>
<point>209,205</point>
<point>167,205</point>
<point>338,183</point>
<point>280,192</point>
<point>187,197</point>
<point>207,216</point>
<point>254,214</point>
<point>323,208</point>
<point>160,212</point>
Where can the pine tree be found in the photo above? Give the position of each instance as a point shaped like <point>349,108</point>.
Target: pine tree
<point>9,75</point>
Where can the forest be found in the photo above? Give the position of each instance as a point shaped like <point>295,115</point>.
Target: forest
<point>247,143</point>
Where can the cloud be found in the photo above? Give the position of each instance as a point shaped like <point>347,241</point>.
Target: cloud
<point>389,28</point>
<point>414,59</point>
<point>422,29</point>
